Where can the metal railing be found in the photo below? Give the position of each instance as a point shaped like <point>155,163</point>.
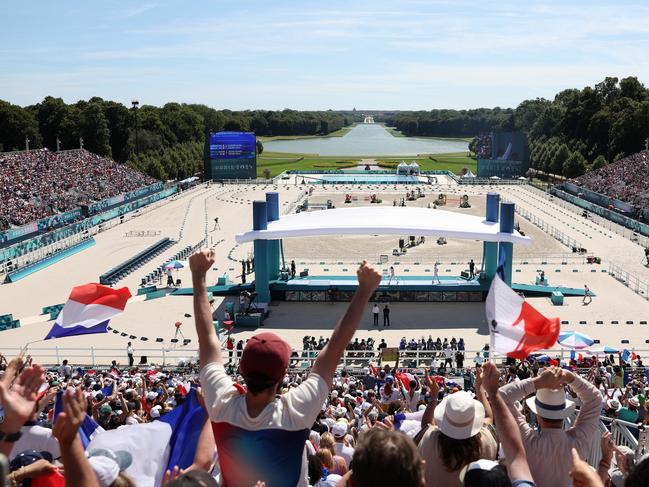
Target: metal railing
<point>633,282</point>
<point>549,229</point>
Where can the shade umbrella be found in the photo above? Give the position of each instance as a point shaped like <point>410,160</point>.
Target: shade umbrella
<point>176,264</point>
<point>574,340</point>
<point>603,349</point>
<point>494,177</point>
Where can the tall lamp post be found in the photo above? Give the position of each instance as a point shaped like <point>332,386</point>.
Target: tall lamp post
<point>136,104</point>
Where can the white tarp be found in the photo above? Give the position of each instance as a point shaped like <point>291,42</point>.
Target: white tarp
<point>383,220</point>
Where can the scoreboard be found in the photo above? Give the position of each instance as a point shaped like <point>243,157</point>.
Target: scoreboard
<point>232,155</point>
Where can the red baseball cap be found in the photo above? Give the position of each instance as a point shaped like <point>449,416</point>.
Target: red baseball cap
<point>265,354</point>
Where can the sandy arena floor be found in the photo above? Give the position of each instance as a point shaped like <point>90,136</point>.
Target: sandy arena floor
<point>232,205</point>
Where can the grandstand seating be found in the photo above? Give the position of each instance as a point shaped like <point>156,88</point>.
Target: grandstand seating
<point>125,268</point>
<point>38,183</point>
<point>158,272</point>
<point>19,273</point>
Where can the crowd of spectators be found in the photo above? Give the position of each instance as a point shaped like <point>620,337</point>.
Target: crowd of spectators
<point>385,426</point>
<point>624,180</point>
<point>38,183</point>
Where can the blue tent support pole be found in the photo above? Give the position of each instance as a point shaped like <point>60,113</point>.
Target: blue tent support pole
<point>260,222</point>
<point>272,209</point>
<point>490,249</point>
<point>507,216</point>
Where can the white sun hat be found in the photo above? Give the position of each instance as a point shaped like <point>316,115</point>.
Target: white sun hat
<point>459,416</point>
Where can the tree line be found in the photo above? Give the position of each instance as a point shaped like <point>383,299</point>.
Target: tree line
<point>165,142</point>
<point>577,131</point>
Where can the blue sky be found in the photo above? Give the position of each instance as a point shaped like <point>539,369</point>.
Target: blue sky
<point>371,54</point>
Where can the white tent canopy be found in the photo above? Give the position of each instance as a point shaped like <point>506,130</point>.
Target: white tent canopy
<point>383,220</point>
<point>469,174</point>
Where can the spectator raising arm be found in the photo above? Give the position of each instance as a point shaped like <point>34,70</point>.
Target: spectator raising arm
<point>18,404</point>
<point>208,342</point>
<point>325,364</point>
<point>77,468</point>
<point>508,432</point>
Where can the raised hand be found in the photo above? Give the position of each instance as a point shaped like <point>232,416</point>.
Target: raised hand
<point>68,422</point>
<point>368,278</point>
<point>490,378</point>
<point>201,262</point>
<point>582,474</point>
<point>19,401</point>
<point>14,367</point>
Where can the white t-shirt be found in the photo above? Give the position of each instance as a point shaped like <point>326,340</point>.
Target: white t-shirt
<point>273,443</point>
<point>375,310</point>
<point>395,395</point>
<point>448,353</point>
<point>65,371</point>
<point>36,438</point>
<point>344,451</point>
<point>129,350</point>
<point>478,360</point>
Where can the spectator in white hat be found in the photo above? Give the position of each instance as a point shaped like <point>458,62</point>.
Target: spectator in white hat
<point>459,435</point>
<point>340,448</point>
<point>552,445</point>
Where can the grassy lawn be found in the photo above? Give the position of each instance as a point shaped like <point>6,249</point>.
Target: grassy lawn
<point>279,162</point>
<point>453,161</point>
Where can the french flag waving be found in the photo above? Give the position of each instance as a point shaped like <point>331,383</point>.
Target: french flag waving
<point>88,310</point>
<point>517,329</point>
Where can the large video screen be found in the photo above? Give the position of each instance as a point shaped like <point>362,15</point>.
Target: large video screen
<point>232,155</point>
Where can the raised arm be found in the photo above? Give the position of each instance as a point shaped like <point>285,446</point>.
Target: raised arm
<point>327,361</point>
<point>510,436</point>
<point>480,396</point>
<point>427,417</point>
<point>19,403</point>
<point>208,343</point>
<point>77,468</point>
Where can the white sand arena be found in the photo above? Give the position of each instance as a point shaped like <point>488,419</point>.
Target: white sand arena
<point>192,214</point>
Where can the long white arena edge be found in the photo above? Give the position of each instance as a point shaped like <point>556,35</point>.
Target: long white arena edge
<point>232,205</point>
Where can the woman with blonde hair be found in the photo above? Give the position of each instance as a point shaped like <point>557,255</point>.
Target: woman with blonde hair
<point>338,464</point>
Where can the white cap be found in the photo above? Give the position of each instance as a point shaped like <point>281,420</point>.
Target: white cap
<point>339,430</point>
<point>155,412</point>
<point>106,470</point>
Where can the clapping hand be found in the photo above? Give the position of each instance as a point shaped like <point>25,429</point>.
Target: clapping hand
<point>68,422</point>
<point>19,401</point>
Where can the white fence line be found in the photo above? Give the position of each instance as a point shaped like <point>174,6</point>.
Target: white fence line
<point>633,282</point>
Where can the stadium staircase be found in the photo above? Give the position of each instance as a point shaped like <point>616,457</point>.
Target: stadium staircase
<point>141,258</point>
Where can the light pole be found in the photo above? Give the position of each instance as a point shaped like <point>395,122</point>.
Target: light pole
<point>27,141</point>
<point>58,143</point>
<point>136,104</point>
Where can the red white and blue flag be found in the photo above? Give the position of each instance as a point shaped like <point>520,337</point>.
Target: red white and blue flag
<point>517,329</point>
<point>88,310</point>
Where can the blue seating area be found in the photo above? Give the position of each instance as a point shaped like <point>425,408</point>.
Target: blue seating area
<point>48,261</point>
<point>7,322</point>
<point>159,271</point>
<point>138,260</point>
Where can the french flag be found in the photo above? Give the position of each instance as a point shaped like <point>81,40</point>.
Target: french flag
<point>172,440</point>
<point>89,428</point>
<point>88,310</point>
<point>517,329</point>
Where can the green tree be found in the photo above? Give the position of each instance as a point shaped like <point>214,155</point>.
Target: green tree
<point>559,158</point>
<point>574,166</point>
<point>598,163</point>
<point>16,124</point>
<point>260,147</point>
<point>93,127</point>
